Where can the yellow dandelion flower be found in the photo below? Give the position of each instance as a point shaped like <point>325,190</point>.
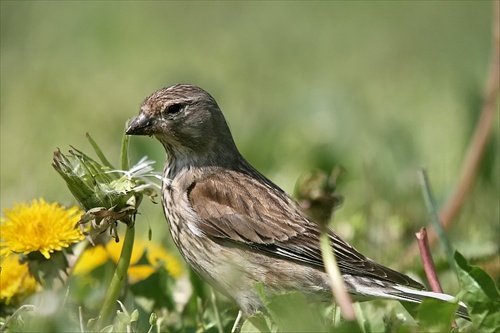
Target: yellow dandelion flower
<point>96,256</point>
<point>159,256</point>
<point>115,249</point>
<point>136,272</point>
<point>15,279</point>
<point>90,259</point>
<point>39,226</point>
<point>156,255</point>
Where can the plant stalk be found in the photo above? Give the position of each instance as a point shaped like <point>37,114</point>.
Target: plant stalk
<point>339,289</point>
<point>120,275</point>
<point>118,280</point>
<point>435,221</point>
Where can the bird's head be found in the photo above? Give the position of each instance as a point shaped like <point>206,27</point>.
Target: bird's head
<point>185,119</point>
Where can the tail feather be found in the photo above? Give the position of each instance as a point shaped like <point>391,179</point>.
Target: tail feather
<point>416,296</point>
<point>363,288</point>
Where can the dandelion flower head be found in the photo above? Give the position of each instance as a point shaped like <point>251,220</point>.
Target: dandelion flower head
<point>39,226</point>
<point>15,279</point>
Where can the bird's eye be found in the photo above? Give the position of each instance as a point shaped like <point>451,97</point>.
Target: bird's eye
<point>174,108</point>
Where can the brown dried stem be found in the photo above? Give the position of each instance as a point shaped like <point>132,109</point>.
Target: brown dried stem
<point>427,262</point>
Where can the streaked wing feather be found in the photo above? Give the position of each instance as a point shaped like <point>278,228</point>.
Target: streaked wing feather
<point>233,212</point>
<point>260,216</point>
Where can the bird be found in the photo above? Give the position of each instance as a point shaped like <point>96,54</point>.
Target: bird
<point>234,226</point>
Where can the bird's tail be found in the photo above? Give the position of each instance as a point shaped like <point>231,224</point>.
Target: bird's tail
<point>363,288</point>
<point>416,296</point>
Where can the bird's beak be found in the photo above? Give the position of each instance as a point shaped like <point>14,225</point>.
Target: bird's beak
<point>141,125</point>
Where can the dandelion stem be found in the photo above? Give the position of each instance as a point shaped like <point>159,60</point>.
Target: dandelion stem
<point>118,279</point>
<point>120,275</point>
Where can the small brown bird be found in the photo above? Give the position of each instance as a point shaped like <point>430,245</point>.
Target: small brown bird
<point>233,225</point>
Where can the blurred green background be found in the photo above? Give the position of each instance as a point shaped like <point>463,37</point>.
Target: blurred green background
<point>380,88</point>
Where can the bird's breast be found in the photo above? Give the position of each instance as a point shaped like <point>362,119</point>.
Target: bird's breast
<point>178,211</point>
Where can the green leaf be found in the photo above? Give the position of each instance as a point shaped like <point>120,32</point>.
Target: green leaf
<point>49,272</point>
<point>124,163</point>
<point>436,316</point>
<point>257,323</point>
<point>261,290</point>
<point>481,278</point>
<point>99,152</point>
<point>162,294</point>
<point>368,315</point>
<point>292,313</point>
<point>348,327</point>
<point>480,294</point>
<point>107,329</point>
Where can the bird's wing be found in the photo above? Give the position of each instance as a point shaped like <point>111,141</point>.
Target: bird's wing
<point>259,215</point>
